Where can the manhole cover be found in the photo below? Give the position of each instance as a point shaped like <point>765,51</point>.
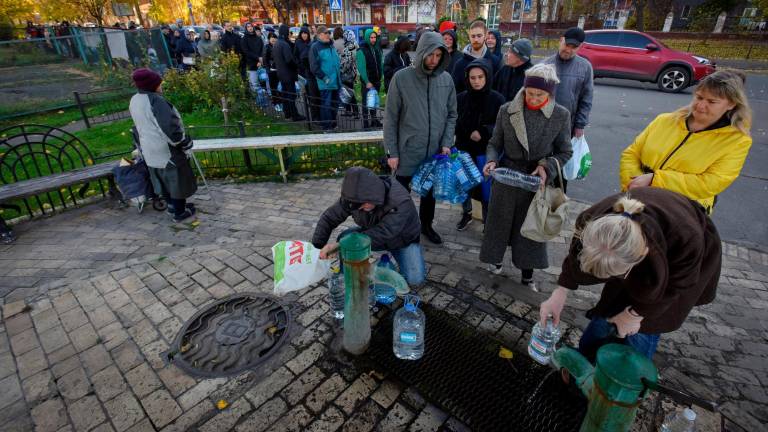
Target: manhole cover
<point>236,333</point>
<point>462,372</point>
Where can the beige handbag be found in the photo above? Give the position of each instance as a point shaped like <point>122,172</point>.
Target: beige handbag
<point>548,212</point>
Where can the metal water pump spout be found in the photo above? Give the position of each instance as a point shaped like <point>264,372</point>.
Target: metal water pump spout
<point>355,252</point>
<point>615,387</point>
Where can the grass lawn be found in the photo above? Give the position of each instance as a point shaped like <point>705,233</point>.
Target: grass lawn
<point>712,49</point>
<point>720,49</point>
<point>26,54</point>
<point>64,116</point>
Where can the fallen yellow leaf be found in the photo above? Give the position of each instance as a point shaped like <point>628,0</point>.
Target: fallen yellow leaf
<point>505,353</point>
<point>195,223</point>
<point>221,404</point>
<point>272,330</point>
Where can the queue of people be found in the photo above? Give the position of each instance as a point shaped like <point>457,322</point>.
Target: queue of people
<point>654,271</point>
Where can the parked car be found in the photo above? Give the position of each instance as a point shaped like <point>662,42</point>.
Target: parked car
<point>638,56</point>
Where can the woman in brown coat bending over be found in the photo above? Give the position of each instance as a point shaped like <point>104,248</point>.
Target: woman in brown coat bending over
<point>658,254</point>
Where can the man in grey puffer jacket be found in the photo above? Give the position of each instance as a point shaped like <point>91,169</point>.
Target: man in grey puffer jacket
<point>420,118</point>
<point>576,79</point>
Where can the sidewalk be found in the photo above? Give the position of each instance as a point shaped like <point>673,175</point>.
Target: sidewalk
<point>108,289</point>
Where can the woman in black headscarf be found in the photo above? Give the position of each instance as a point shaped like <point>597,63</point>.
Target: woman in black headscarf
<point>478,107</point>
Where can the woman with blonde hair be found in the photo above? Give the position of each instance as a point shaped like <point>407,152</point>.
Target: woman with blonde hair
<point>658,254</point>
<point>532,136</point>
<point>698,150</point>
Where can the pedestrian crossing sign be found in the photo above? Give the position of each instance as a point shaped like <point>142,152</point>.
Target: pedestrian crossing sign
<point>335,5</point>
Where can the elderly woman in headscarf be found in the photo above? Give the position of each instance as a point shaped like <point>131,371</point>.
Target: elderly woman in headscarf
<point>164,144</point>
<point>533,134</point>
<point>348,59</point>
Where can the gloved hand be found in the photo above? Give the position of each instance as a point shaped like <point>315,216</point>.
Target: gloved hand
<point>627,323</point>
<point>186,143</point>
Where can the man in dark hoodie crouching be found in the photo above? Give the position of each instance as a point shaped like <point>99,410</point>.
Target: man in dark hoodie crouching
<point>384,211</point>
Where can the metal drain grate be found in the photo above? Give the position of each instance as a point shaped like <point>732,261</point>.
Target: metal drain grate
<point>462,372</point>
<point>236,333</point>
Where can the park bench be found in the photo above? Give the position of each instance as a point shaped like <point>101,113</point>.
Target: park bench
<point>281,142</point>
<point>41,163</point>
<point>44,163</point>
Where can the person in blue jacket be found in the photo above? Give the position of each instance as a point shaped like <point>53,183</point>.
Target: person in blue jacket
<point>326,66</point>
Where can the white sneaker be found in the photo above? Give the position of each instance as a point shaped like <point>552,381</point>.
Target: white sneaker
<point>495,268</point>
<point>530,283</point>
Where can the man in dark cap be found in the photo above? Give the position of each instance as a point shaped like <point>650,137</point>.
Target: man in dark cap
<point>163,144</point>
<point>383,210</point>
<point>575,73</point>
<point>517,59</point>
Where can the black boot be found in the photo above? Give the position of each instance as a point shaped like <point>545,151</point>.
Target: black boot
<point>431,235</point>
<point>466,219</point>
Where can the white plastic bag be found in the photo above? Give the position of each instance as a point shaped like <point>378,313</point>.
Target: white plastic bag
<point>581,161</point>
<point>297,266</point>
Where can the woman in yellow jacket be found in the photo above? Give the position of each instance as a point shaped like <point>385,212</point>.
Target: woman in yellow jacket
<point>698,150</point>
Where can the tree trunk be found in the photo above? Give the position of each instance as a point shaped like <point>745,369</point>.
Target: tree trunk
<point>639,15</point>
<point>537,27</point>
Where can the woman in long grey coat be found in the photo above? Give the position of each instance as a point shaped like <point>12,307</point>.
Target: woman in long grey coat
<point>163,144</point>
<point>531,132</point>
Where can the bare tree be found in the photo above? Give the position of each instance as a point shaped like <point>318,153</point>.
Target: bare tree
<point>537,27</point>
<point>283,8</point>
<point>639,14</point>
<point>94,8</point>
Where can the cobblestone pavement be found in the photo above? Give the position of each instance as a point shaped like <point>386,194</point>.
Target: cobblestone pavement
<point>93,297</point>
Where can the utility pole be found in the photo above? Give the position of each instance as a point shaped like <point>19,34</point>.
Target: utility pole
<point>191,15</point>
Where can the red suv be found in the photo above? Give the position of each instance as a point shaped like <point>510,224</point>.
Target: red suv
<point>637,56</point>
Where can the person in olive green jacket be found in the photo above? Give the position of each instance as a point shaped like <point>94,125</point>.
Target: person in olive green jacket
<point>370,64</point>
<point>420,118</point>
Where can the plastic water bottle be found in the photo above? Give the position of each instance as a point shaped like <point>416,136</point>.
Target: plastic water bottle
<point>462,178</point>
<point>679,422</point>
<point>372,99</point>
<point>336,292</point>
<point>443,181</point>
<point>470,167</point>
<point>408,330</point>
<point>543,341</point>
<point>517,179</point>
<point>385,293</point>
<point>422,180</point>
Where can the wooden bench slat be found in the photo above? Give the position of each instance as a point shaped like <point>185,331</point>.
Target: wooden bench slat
<point>26,188</point>
<point>282,141</point>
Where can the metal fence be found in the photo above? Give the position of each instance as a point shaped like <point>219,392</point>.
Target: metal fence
<point>93,46</point>
<point>102,106</point>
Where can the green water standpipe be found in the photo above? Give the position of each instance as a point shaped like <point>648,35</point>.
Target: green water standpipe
<point>355,251</point>
<point>615,386</point>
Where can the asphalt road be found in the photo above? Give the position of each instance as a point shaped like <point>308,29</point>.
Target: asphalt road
<point>622,109</point>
